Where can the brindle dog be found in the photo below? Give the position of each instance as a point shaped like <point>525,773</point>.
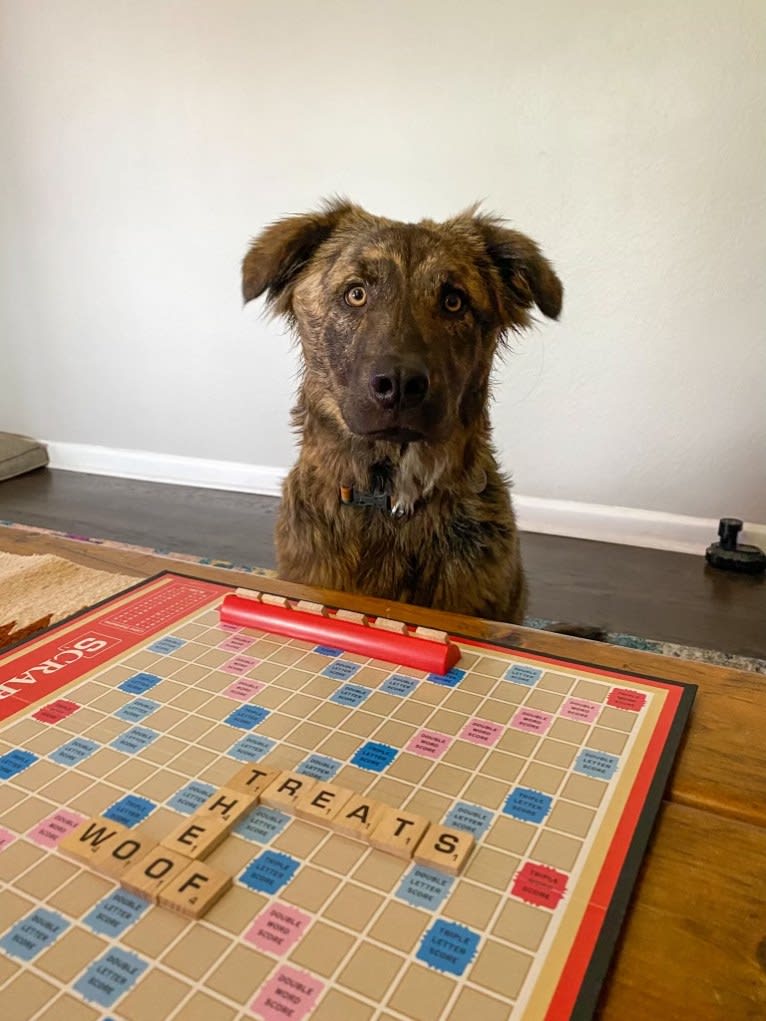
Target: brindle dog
<point>399,324</point>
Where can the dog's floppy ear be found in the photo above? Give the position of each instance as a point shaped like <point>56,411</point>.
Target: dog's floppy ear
<point>280,252</point>
<point>527,276</point>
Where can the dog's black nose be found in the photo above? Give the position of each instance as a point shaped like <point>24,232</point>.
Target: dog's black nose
<point>399,387</point>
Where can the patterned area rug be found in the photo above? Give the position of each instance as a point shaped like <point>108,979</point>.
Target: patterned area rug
<point>110,583</point>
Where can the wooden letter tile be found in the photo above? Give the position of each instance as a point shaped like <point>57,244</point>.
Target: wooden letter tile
<point>154,871</point>
<point>398,832</point>
<point>358,816</point>
<point>196,837</point>
<point>283,792</point>
<point>251,779</point>
<point>195,890</point>
<point>90,837</point>
<point>444,849</point>
<point>226,805</point>
<point>323,802</point>
<point>115,858</point>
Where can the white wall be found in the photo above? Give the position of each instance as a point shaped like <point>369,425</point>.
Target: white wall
<point>144,142</point>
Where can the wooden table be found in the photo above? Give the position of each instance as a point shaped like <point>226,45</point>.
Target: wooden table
<point>693,945</point>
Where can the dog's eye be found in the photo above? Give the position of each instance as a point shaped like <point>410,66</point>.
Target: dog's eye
<point>356,296</point>
<point>453,302</point>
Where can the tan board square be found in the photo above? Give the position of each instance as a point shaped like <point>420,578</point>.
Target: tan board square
<point>518,743</point>
<point>482,790</point>
<point>503,766</point>
<point>301,706</point>
<point>447,779</point>
<point>308,735</point>
<point>25,814</point>
<point>574,819</point>
<point>522,924</point>
<point>431,694</point>
<point>370,676</point>
<point>7,966</point>
<point>236,910</point>
<point>446,722</point>
<point>190,673</point>
<point>330,714</point>
<point>80,893</point>
<point>556,753</point>
<point>353,907</point>
<point>585,789</point>
<point>165,718</point>
<point>339,854</point>
<point>278,725</point>
<point>568,730</point>
<point>72,952</point>
<point>548,701</point>
<point>47,876</point>
<point>68,1007</point>
<point>159,786</point>
<point>336,1006</point>
<point>380,870</point>
<point>191,699</point>
<point>37,776</point>
<point>471,905</point>
<point>476,685</point>
<point>471,1005</point>
<point>310,889</point>
<point>429,803</point>
<point>9,796</point>
<point>603,740</point>
<point>617,719</point>
<point>66,788</point>
<point>492,868</point>
<point>381,703</point>
<point>202,1007</point>
<point>12,907</point>
<point>464,754</point>
<point>129,774</point>
<point>409,767</point>
<point>232,855</point>
<point>320,687</point>
<point>412,712</point>
<point>339,746</point>
<point>498,711</point>
<point>322,949</point>
<point>500,968</point>
<point>394,733</point>
<point>265,671</point>
<point>422,994</point>
<point>361,723</point>
<point>240,973</point>
<point>462,702</point>
<point>593,691</point>
<point>543,778</point>
<point>300,838</point>
<point>25,995</point>
<point>556,850</point>
<point>511,834</point>
<point>154,998</point>
<point>559,683</point>
<point>490,666</point>
<point>154,931</point>
<point>370,971</point>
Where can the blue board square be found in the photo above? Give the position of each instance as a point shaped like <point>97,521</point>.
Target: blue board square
<point>262,824</point>
<point>109,976</point>
<point>130,810</point>
<point>269,872</point>
<point>374,756</point>
<point>473,818</point>
<point>341,670</point>
<point>247,716</point>
<point>191,797</point>
<point>139,683</point>
<point>14,762</point>
<point>448,947</point>
<point>32,934</point>
<point>251,748</point>
<point>321,767</point>
<point>137,710</point>
<point>424,888</point>
<point>134,740</point>
<point>450,679</point>
<point>73,751</point>
<point>326,650</point>
<point>600,765</point>
<point>350,695</point>
<point>530,806</point>
<point>522,674</point>
<point>115,913</point>
<point>167,645</point>
<point>398,684</point>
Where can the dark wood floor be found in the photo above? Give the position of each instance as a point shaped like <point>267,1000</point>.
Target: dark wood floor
<point>666,596</point>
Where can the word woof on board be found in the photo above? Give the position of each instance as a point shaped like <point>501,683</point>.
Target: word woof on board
<point>173,874</point>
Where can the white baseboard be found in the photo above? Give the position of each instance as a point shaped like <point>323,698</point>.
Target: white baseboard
<point>624,525</point>
<point>180,471</point>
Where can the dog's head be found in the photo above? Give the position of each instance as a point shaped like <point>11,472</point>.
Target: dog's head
<point>399,322</point>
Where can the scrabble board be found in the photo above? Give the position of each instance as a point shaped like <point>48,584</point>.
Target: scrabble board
<point>139,710</point>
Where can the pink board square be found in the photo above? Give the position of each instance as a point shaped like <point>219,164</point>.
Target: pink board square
<point>244,689</point>
<point>288,994</point>
<point>6,838</point>
<point>533,721</point>
<point>430,743</point>
<point>580,709</point>
<point>624,698</point>
<point>277,929</point>
<point>49,831</point>
<point>236,643</point>
<point>483,732</point>
<point>55,711</point>
<point>240,664</point>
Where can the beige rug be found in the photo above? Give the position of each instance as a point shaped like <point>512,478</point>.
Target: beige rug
<point>37,591</point>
